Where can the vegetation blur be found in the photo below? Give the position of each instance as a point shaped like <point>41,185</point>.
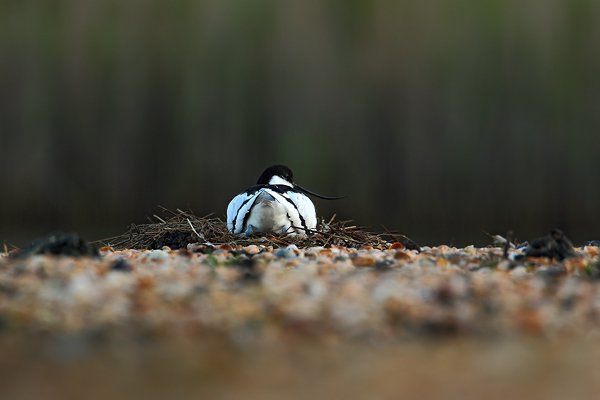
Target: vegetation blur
<point>437,119</point>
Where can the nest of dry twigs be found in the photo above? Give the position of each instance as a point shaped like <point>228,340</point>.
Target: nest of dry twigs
<point>177,229</point>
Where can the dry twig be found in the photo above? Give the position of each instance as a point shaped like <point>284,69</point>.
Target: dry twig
<point>178,228</point>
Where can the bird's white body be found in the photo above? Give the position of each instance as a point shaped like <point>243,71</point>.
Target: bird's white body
<point>274,207</point>
<point>267,215</point>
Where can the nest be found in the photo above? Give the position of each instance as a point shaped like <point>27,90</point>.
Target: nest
<point>176,229</point>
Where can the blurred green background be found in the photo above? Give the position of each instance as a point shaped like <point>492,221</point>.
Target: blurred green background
<point>439,119</point>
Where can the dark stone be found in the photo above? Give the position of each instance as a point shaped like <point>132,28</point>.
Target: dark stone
<point>384,265</point>
<point>247,268</point>
<point>408,243</point>
<point>121,265</point>
<point>554,245</point>
<point>59,243</point>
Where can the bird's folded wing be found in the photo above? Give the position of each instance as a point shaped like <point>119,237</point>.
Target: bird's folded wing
<point>294,213</point>
<point>305,207</point>
<point>237,210</point>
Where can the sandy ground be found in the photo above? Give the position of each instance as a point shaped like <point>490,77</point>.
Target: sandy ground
<point>442,369</point>
<point>261,323</point>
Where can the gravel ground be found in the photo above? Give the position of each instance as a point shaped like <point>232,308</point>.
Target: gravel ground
<point>222,321</point>
<point>255,292</point>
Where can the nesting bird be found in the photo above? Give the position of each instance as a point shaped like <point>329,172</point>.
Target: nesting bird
<point>275,204</point>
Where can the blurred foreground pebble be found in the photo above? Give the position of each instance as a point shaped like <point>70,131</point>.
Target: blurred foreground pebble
<point>257,292</point>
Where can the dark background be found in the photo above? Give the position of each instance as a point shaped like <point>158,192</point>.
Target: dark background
<point>439,119</point>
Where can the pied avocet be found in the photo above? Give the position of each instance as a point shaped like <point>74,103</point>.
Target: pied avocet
<point>275,204</point>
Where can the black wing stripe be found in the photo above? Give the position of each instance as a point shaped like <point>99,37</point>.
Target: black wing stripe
<point>302,221</point>
<point>238,211</point>
<point>249,212</point>
<point>279,189</point>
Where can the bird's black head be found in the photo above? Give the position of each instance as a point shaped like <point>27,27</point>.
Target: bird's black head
<point>285,173</point>
<point>276,170</point>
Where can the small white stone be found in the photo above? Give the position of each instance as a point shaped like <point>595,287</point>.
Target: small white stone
<point>158,255</point>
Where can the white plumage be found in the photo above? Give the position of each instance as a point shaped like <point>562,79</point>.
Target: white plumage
<point>268,211</point>
<point>275,204</point>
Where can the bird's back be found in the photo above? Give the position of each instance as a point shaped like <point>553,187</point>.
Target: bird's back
<point>271,209</point>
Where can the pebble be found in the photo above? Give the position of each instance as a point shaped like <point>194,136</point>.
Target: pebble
<point>158,255</point>
<point>121,265</point>
<point>363,261</point>
<point>285,252</point>
<point>252,249</point>
<point>402,255</point>
<point>400,292</point>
